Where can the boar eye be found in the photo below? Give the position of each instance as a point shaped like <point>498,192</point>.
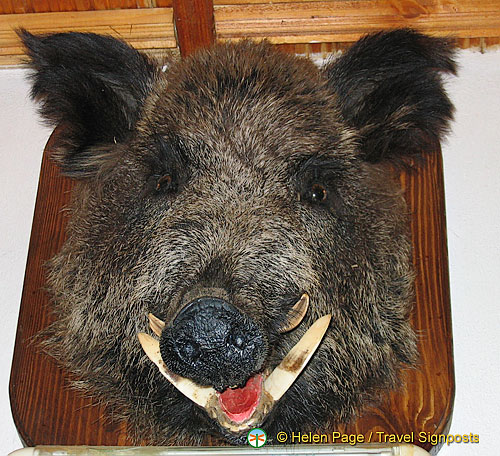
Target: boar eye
<point>318,193</point>
<point>161,184</point>
<point>164,182</point>
<point>314,193</point>
<point>321,195</point>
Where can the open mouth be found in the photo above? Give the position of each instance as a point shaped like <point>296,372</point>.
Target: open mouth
<point>239,404</point>
<point>240,409</point>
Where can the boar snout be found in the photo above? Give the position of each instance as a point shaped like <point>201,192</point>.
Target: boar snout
<point>213,343</point>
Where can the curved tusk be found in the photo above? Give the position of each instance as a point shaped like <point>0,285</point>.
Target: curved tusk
<point>200,395</point>
<point>296,314</point>
<point>156,324</point>
<point>282,378</point>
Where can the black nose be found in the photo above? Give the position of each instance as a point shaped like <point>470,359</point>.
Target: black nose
<point>213,343</point>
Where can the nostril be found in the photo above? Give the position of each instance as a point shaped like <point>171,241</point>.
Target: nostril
<point>236,340</point>
<point>239,342</point>
<point>189,351</point>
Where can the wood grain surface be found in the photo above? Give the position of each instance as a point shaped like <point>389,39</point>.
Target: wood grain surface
<point>46,411</point>
<point>347,21</point>
<point>148,29</point>
<point>299,26</point>
<point>194,23</point>
<point>46,6</point>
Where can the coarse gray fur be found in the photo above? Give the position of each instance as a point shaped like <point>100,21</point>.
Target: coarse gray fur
<point>275,185</point>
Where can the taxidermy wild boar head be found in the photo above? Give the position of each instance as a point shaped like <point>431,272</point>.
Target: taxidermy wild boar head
<point>230,207</point>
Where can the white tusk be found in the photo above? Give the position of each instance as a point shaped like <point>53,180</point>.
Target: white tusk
<point>294,362</point>
<point>296,314</point>
<point>156,324</point>
<point>200,395</point>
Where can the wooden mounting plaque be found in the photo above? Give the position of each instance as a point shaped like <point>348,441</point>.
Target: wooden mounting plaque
<point>46,411</point>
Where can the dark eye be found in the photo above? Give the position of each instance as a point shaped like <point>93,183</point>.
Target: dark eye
<point>318,193</point>
<point>161,184</point>
<point>318,183</point>
<point>165,182</point>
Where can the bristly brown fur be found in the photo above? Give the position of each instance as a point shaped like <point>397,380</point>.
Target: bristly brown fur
<point>274,189</point>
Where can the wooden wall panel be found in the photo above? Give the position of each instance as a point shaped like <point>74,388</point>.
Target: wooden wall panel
<point>146,29</point>
<point>302,26</point>
<point>46,6</point>
<point>346,21</point>
<point>261,2</point>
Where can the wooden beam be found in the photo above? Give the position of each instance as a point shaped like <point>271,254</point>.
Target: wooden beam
<point>346,21</point>
<point>147,29</point>
<point>194,24</point>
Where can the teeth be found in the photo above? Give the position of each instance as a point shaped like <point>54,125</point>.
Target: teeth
<point>156,324</point>
<point>296,314</point>
<point>282,378</point>
<point>200,395</point>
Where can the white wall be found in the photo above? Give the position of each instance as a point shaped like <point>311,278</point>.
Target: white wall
<point>21,141</point>
<point>472,176</point>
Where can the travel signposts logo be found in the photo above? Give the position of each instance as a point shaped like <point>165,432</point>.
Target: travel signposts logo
<point>256,438</point>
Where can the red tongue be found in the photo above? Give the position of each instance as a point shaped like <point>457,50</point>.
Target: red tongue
<point>240,403</point>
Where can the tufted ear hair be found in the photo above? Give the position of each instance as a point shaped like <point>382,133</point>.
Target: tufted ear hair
<point>389,88</point>
<point>94,85</point>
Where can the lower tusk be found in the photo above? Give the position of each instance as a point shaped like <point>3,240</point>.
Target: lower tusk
<point>156,324</point>
<point>200,395</point>
<point>282,378</point>
<point>296,314</point>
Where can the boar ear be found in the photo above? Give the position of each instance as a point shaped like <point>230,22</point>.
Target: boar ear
<point>389,88</point>
<point>94,85</point>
